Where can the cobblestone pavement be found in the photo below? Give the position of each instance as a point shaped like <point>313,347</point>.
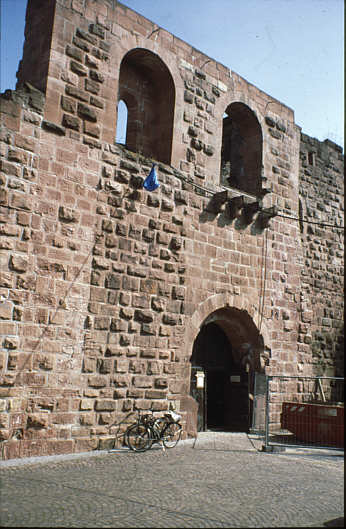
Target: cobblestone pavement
<point>224,480</point>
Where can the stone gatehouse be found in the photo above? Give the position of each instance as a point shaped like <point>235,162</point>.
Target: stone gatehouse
<point>112,296</point>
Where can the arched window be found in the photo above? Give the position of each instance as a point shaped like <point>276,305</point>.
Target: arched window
<point>241,154</point>
<point>146,86</point>
<point>121,122</point>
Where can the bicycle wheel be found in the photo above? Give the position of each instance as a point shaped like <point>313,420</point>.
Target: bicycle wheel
<point>171,434</point>
<point>138,438</point>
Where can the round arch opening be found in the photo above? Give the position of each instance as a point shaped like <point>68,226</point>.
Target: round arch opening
<point>241,153</point>
<point>226,353</point>
<point>147,88</point>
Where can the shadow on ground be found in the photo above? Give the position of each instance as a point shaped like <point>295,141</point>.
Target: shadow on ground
<point>336,522</point>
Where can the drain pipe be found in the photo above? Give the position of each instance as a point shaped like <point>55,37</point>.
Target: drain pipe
<point>267,415</point>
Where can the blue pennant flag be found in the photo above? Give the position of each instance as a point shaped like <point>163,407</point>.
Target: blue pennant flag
<point>151,182</point>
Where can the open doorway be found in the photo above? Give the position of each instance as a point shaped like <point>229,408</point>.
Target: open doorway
<point>223,400</point>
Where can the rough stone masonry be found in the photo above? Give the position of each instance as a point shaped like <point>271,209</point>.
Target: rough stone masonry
<point>105,286</point>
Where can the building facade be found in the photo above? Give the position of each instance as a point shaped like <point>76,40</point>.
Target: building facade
<point>113,298</point>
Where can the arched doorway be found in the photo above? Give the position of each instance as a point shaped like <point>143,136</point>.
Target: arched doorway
<point>224,402</point>
<point>225,356</point>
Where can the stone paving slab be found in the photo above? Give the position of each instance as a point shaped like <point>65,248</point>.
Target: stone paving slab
<point>222,480</point>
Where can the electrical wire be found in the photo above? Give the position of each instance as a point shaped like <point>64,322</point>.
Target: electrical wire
<point>322,224</point>
<point>212,192</point>
<point>263,281</point>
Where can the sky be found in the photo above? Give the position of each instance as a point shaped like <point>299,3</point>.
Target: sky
<point>291,49</point>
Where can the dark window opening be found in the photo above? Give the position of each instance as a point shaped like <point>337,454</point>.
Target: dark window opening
<point>241,153</point>
<point>146,87</point>
<point>311,158</point>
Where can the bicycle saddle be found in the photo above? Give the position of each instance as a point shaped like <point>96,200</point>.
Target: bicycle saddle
<point>175,416</point>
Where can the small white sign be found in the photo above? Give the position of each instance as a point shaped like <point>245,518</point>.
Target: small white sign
<point>235,378</point>
<point>200,379</point>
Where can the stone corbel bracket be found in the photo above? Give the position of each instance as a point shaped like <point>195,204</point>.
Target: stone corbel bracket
<point>265,215</point>
<point>217,201</point>
<point>249,211</point>
<point>235,206</point>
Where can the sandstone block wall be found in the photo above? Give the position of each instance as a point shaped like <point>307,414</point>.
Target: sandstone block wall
<point>321,194</point>
<point>104,286</point>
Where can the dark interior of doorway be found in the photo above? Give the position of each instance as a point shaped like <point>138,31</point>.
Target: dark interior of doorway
<point>224,400</point>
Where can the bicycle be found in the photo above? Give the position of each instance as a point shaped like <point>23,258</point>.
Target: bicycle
<point>138,435</point>
<point>149,430</point>
<point>170,429</point>
<point>116,430</point>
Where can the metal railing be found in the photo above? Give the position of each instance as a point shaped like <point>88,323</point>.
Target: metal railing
<point>303,412</point>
